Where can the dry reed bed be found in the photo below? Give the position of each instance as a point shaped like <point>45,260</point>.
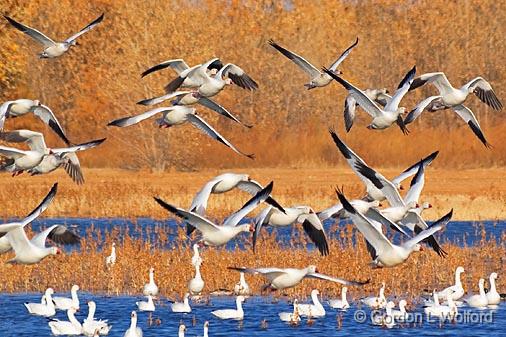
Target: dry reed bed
<point>423,271</point>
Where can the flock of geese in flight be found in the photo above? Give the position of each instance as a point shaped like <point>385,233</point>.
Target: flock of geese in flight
<point>196,86</point>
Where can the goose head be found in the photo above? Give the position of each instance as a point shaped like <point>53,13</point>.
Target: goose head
<point>182,329</point>
<point>54,251</point>
<point>74,288</point>
<point>459,270</point>
<point>493,276</point>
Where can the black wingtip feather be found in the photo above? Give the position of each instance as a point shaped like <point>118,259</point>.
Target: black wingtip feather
<point>408,77</point>
<point>340,145</point>
<point>401,125</point>
<point>346,205</point>
<point>477,131</point>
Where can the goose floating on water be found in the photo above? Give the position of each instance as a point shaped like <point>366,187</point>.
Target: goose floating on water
<point>65,303</point>
<point>150,288</point>
<point>237,313</point>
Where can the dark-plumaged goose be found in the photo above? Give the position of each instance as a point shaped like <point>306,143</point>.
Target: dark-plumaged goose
<point>379,96</point>
<point>20,107</point>
<point>372,179</point>
<point>52,48</point>
<point>316,77</point>
<point>283,278</point>
<point>177,115</point>
<point>382,117</point>
<point>212,234</point>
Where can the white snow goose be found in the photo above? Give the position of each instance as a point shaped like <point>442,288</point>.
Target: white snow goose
<point>40,159</point>
<point>181,330</point>
<point>51,48</point>
<point>386,318</point>
<point>34,250</point>
<point>444,312</point>
<point>177,115</point>
<point>493,296</point>
<point>341,303</point>
<point>183,307</point>
<point>311,224</point>
<point>212,234</point>
<point>91,325</point>
<point>23,106</point>
<point>453,98</point>
<point>376,302</point>
<point>186,98</point>
<point>371,178</point>
<point>196,259</point>
<point>401,314</point>
<point>110,260</point>
<point>148,305</point>
<point>224,183</point>
<point>241,287</point>
<point>479,300</point>
<point>65,303</point>
<point>45,309</point>
<point>315,309</point>
<point>382,117</point>
<point>337,211</point>
<point>317,79</point>
<point>455,291</point>
<point>133,330</point>
<point>379,96</point>
<point>237,313</point>
<point>385,253</point>
<point>282,278</point>
<point>72,327</point>
<point>291,317</point>
<point>150,288</point>
<point>196,284</point>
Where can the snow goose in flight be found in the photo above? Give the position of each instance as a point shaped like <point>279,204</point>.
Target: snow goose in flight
<point>181,68</point>
<point>91,325</point>
<point>133,330</point>
<point>479,300</point>
<point>453,98</point>
<point>225,183</point>
<point>231,313</point>
<point>455,291</point>
<point>382,117</point>
<point>196,284</point>
<point>315,309</point>
<point>148,305</point>
<point>366,173</point>
<point>34,250</point>
<point>386,253</point>
<point>177,115</point>
<point>312,225</point>
<point>72,327</point>
<point>46,309</point>
<point>65,303</point>
<point>379,96</point>
<point>342,303</point>
<point>190,98</point>
<point>212,234</point>
<point>493,296</point>
<point>150,288</point>
<point>282,278</point>
<point>20,107</point>
<point>51,48</point>
<point>41,159</point>
<point>183,307</point>
<point>317,79</point>
<point>338,212</point>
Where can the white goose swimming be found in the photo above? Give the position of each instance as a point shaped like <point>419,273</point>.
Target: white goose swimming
<point>382,117</point>
<point>282,278</point>
<point>241,287</point>
<point>453,98</point>
<point>317,79</point>
<point>206,329</point>
<point>212,234</point>
<point>305,215</point>
<point>72,327</point>
<point>231,313</point>
<point>479,300</point>
<point>493,296</point>
<point>385,319</point>
<point>401,314</point>
<point>52,48</point>
<point>184,306</point>
<point>41,159</point>
<point>65,303</point>
<point>385,253</point>
<point>110,260</point>
<point>91,325</point>
<point>444,312</point>
<point>23,106</point>
<point>148,305</point>
<point>315,309</point>
<point>196,284</point>
<point>34,250</point>
<point>177,115</point>
<point>150,288</point>
<point>133,330</point>
<point>342,303</point>
<point>291,317</point>
<point>455,291</point>
<point>378,302</point>
<point>45,308</point>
